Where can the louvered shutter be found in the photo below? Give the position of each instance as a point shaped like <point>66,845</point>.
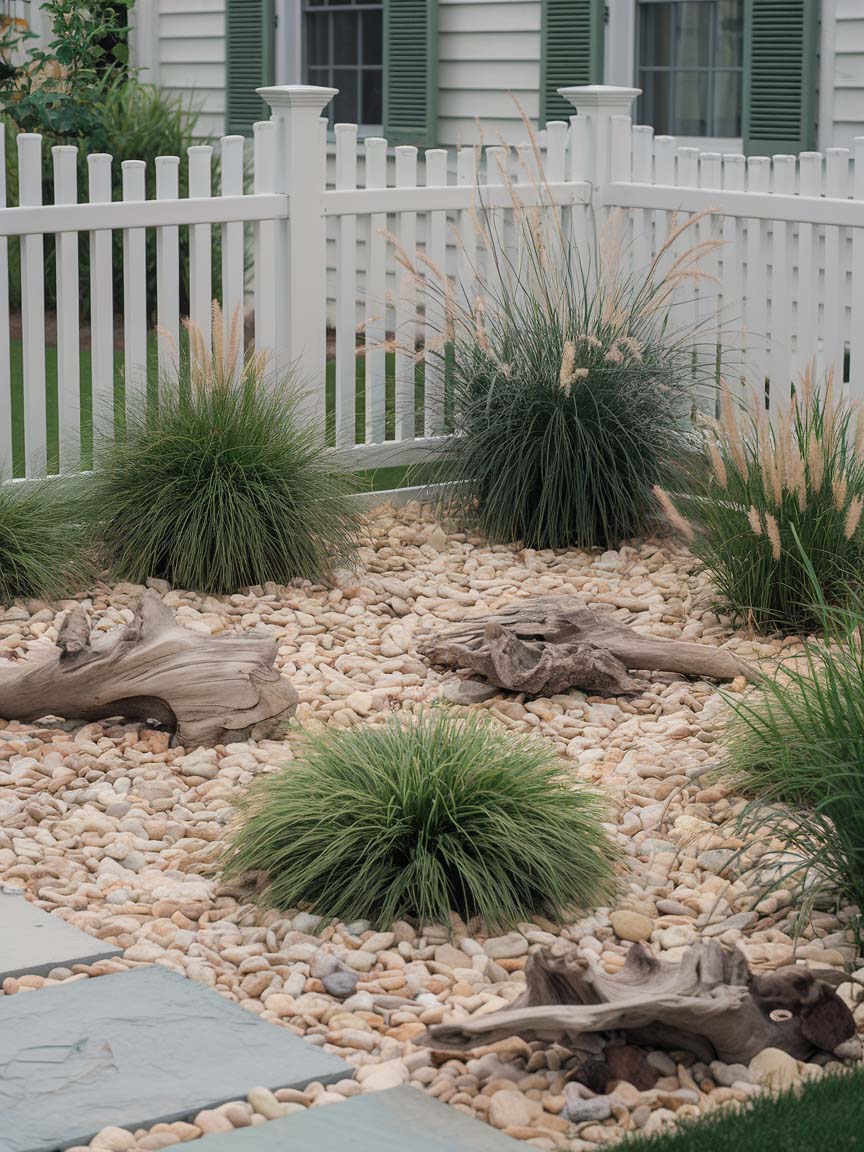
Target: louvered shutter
<point>571,51</point>
<point>250,44</point>
<point>411,71</point>
<point>781,48</point>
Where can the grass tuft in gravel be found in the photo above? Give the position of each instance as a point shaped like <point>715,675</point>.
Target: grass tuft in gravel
<point>224,483</point>
<point>422,816</point>
<point>40,548</point>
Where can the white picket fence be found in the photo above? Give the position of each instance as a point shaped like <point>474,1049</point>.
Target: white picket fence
<point>787,281</point>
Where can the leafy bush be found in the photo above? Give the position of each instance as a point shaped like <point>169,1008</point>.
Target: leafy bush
<point>796,749</point>
<point>825,1114</point>
<point>39,545</point>
<point>223,483</point>
<point>571,391</point>
<point>777,497</point>
<point>418,818</point>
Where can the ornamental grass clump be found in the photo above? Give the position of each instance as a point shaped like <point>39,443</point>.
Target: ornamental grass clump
<point>223,483</point>
<point>40,546</point>
<point>795,749</point>
<point>776,501</point>
<point>420,817</point>
<point>570,387</point>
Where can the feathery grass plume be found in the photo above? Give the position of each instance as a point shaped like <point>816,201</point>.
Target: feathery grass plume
<point>798,476</point>
<point>223,483</point>
<point>564,447</point>
<point>673,515</point>
<point>795,751</point>
<point>423,816</point>
<point>41,547</point>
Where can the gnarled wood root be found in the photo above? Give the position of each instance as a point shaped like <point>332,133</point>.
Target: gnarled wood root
<point>212,690</point>
<point>709,1004</point>
<point>548,644</point>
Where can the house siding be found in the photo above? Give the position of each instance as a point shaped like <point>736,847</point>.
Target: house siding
<point>189,44</point>
<point>845,79</point>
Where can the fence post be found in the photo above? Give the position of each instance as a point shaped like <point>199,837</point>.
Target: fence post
<point>598,104</point>
<point>301,290</point>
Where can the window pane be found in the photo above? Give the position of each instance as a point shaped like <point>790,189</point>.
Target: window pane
<point>345,33</point>
<point>691,104</point>
<point>372,109</point>
<point>318,76</point>
<point>317,50</point>
<point>373,38</point>
<point>727,104</point>
<point>345,109</point>
<point>730,34</point>
<point>693,34</point>
<point>655,34</point>
<point>656,101</point>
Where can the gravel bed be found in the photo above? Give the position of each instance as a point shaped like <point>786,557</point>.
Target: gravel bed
<point>116,831</point>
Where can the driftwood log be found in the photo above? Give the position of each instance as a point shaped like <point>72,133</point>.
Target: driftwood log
<point>709,1004</point>
<point>547,644</point>
<point>211,690</point>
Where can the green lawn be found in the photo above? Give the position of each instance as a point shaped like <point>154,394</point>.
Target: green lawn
<point>380,478</point>
<point>828,1116</point>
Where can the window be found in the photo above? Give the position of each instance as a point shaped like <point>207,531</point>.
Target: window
<point>343,49</point>
<point>690,66</point>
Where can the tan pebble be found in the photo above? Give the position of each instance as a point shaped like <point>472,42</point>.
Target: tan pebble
<point>113,1139</point>
<point>210,1121</point>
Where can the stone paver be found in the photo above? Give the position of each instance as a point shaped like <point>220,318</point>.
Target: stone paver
<point>133,1049</point>
<point>35,941</point>
<point>396,1120</point>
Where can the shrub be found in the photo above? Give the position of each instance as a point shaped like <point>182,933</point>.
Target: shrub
<point>223,483</point>
<point>418,818</point>
<point>822,1114</point>
<point>39,545</point>
<point>796,750</point>
<point>770,489</point>
<point>571,391</point>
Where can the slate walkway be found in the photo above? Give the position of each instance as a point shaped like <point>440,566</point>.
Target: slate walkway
<point>398,1120</point>
<point>35,941</point>
<point>136,1048</point>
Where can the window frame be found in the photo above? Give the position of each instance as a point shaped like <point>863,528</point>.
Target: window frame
<point>711,70</point>
<point>303,9</point>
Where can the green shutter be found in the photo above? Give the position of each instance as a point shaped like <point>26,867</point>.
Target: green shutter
<point>411,71</point>
<point>781,50</point>
<point>250,46</point>
<point>571,51</point>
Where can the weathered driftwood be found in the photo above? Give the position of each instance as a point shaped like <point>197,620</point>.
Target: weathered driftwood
<point>547,644</point>
<point>210,689</point>
<point>710,1004</point>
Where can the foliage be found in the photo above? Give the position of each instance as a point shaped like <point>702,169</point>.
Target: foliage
<point>823,1114</point>
<point>770,488</point>
<point>796,749</point>
<point>56,89</point>
<point>39,546</point>
<point>571,386</point>
<point>418,818</point>
<point>223,483</point>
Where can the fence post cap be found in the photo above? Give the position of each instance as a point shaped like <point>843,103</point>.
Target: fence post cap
<point>609,97</point>
<point>297,96</point>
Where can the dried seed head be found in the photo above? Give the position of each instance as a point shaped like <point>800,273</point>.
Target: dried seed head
<point>755,521</point>
<point>718,464</point>
<point>839,488</point>
<point>853,516</point>
<point>772,531</point>
<point>673,515</point>
<point>568,359</point>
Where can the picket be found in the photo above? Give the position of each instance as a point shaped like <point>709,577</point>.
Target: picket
<point>101,301</point>
<point>5,350</point>
<point>785,285</point>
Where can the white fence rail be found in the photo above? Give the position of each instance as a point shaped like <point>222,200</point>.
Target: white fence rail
<point>787,281</point>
